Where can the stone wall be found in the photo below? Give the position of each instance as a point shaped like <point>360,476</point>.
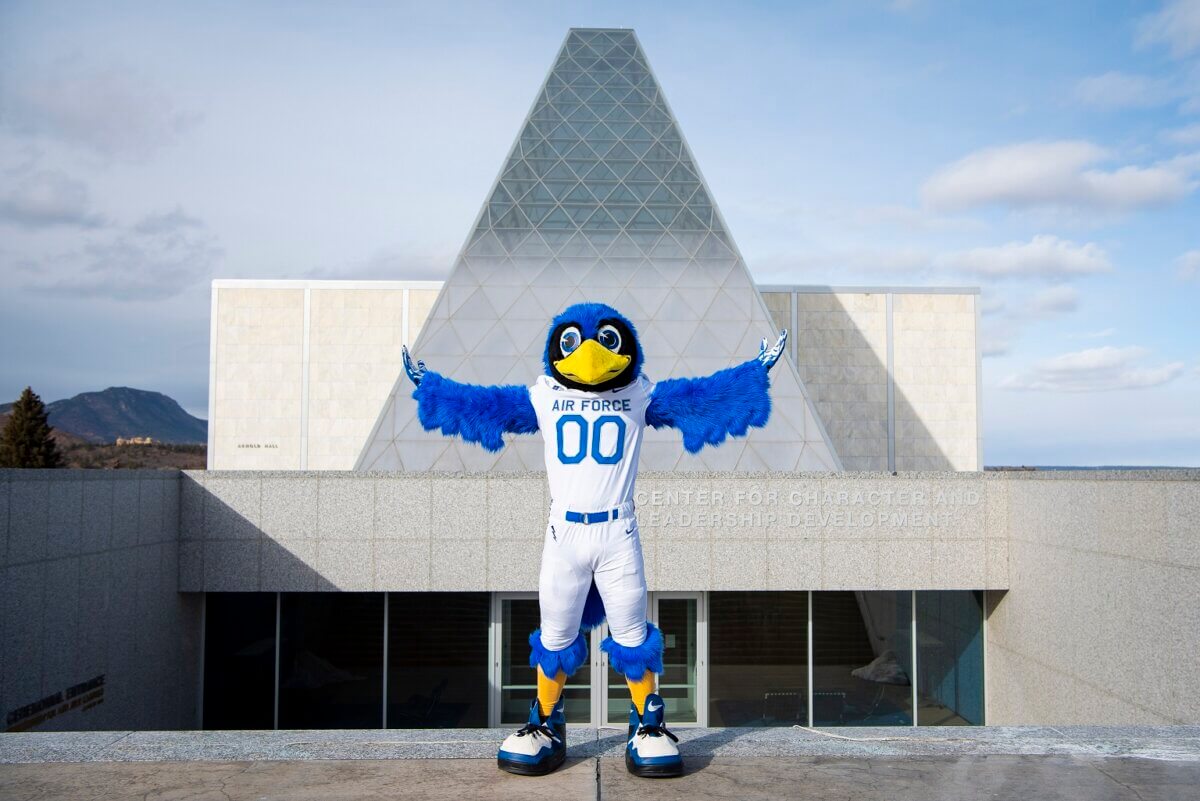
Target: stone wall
<point>892,371</point>
<point>934,368</point>
<point>257,396</point>
<point>1100,621</point>
<point>300,369</point>
<point>841,351</point>
<point>290,531</point>
<point>355,337</point>
<point>90,609</point>
<point>1093,578</point>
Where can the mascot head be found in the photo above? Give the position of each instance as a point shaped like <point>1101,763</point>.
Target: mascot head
<point>592,347</point>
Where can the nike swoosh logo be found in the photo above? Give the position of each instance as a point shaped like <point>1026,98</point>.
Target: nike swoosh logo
<point>653,708</point>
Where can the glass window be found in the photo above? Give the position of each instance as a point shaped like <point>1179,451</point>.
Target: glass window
<point>331,661</point>
<point>239,660</point>
<point>618,691</point>
<point>758,658</point>
<point>677,617</point>
<point>862,658</point>
<point>950,658</point>
<point>518,682</point>
<point>438,660</point>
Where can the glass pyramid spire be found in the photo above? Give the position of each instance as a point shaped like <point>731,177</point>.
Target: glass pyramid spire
<point>599,200</point>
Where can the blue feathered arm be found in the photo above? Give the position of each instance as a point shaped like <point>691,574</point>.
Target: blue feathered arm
<point>709,409</point>
<point>475,413</point>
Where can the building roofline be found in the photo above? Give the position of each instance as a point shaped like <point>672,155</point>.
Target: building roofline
<point>372,283</point>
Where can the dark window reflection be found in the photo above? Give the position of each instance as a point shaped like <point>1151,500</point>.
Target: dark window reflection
<point>862,658</point>
<point>950,657</point>
<point>758,660</point>
<point>677,684</point>
<point>619,698</point>
<point>239,660</point>
<point>331,661</point>
<point>437,660</point>
<point>518,681</point>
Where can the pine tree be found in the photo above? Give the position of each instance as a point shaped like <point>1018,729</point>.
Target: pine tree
<point>26,441</point>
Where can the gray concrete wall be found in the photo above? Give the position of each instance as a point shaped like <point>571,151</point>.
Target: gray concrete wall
<point>893,371</point>
<point>1100,623</point>
<point>1093,577</point>
<point>88,588</point>
<point>291,531</point>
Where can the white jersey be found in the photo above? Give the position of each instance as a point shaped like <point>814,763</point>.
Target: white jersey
<point>592,441</point>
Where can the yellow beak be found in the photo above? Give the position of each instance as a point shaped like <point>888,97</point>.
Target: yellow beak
<point>592,363</point>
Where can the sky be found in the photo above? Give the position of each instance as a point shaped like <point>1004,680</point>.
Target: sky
<point>1048,153</point>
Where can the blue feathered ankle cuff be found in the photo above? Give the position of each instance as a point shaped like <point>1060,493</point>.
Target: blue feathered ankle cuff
<point>635,661</point>
<point>567,660</point>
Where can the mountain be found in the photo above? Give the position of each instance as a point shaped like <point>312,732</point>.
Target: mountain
<point>123,412</point>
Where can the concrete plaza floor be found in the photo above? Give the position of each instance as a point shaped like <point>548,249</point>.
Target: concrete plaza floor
<point>1024,763</point>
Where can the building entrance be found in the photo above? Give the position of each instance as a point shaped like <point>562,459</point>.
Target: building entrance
<point>461,660</point>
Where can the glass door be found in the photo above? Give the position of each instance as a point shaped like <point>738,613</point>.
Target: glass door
<point>680,617</point>
<point>758,659</point>
<point>862,658</point>
<point>515,616</point>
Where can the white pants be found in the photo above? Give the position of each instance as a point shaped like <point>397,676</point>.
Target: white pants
<point>574,555</point>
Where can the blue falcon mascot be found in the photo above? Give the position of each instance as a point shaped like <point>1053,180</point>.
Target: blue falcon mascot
<point>592,405</point>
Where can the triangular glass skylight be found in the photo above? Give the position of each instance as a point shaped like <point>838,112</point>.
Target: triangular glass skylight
<point>599,200</point>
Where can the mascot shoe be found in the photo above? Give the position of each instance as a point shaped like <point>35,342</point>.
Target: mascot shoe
<point>651,750</point>
<point>539,746</point>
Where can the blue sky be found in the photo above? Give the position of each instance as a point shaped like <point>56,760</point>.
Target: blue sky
<point>1048,153</point>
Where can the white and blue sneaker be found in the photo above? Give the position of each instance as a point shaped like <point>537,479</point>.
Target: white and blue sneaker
<point>651,750</point>
<point>539,746</point>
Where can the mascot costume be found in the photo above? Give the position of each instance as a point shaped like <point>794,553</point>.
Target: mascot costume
<point>592,406</point>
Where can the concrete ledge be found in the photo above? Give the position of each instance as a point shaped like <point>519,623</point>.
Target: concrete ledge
<point>1171,743</point>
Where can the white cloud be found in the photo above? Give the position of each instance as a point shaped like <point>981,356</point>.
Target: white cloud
<point>1103,333</point>
<point>409,261</point>
<point>1101,369</point>
<point>1176,26</point>
<point>1187,266</point>
<point>42,198</point>
<point>1121,90</point>
<point>1044,256</point>
<point>991,304</point>
<point>1055,300</point>
<point>1187,135</point>
<point>1055,174</point>
<point>786,268</point>
<point>160,257</point>
<point>993,346</point>
<point>169,222</point>
<point>112,111</point>
<point>906,218</point>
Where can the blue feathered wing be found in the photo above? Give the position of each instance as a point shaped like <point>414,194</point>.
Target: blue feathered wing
<point>707,410</point>
<point>476,413</point>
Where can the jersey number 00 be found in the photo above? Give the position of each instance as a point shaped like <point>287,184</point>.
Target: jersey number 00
<point>590,433</point>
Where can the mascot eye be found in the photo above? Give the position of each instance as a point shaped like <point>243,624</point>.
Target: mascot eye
<point>569,340</point>
<point>609,337</point>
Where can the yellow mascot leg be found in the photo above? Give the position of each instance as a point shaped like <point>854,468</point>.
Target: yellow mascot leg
<point>549,689</point>
<point>641,688</point>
